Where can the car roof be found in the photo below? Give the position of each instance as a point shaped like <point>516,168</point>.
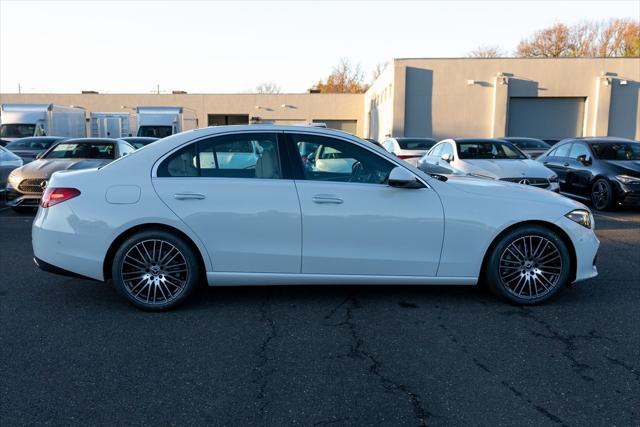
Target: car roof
<point>91,140</point>
<point>476,140</point>
<point>521,138</point>
<point>402,138</point>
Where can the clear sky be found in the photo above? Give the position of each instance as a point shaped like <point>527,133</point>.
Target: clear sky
<point>214,46</point>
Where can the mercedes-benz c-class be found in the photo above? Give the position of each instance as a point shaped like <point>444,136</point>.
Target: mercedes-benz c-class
<point>268,205</point>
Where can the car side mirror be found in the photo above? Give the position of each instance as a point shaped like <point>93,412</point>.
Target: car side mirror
<point>402,178</point>
<point>446,157</point>
<point>582,158</point>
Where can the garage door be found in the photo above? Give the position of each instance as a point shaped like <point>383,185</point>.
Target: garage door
<point>546,118</point>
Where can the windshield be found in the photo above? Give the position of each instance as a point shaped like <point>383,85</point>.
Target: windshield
<point>529,144</point>
<point>416,144</point>
<point>617,151</point>
<point>488,150</point>
<point>17,130</point>
<point>85,150</point>
<point>155,131</point>
<point>30,144</point>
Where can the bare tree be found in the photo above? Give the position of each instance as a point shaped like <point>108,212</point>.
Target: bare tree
<point>345,78</point>
<point>486,51</point>
<point>379,68</point>
<point>267,87</point>
<point>613,38</point>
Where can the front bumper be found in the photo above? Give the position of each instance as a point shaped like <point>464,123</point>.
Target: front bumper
<point>628,194</point>
<point>585,244</point>
<point>17,199</point>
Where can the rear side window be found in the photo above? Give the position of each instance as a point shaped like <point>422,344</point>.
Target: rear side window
<point>228,156</point>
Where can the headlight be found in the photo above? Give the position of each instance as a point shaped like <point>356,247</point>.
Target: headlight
<point>553,178</point>
<point>14,179</point>
<point>580,216</point>
<point>626,179</point>
<point>479,175</point>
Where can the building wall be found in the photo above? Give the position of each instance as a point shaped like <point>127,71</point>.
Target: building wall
<point>298,107</point>
<point>438,100</point>
<point>378,105</point>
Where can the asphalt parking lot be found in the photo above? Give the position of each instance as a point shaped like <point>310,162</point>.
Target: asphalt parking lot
<point>73,352</point>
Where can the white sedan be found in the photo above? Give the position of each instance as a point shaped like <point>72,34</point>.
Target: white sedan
<point>160,220</point>
<point>488,158</point>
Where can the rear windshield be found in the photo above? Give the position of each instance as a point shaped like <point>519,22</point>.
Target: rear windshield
<point>416,144</point>
<point>529,144</point>
<point>86,150</point>
<point>617,151</point>
<point>16,130</point>
<point>488,150</point>
<point>155,131</point>
<point>32,144</point>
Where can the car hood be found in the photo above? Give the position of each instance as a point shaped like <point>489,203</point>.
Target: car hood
<point>627,166</point>
<point>43,168</point>
<point>510,191</point>
<point>509,168</point>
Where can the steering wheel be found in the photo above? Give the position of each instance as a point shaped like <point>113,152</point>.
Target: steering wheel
<point>356,172</point>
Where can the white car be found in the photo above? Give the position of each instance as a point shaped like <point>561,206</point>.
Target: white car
<point>487,158</point>
<point>159,221</point>
<point>409,149</point>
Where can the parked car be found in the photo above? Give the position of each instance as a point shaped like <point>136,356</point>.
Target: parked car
<point>532,147</point>
<point>487,158</point>
<point>159,221</point>
<point>8,162</point>
<point>26,184</point>
<point>29,148</point>
<point>374,142</point>
<point>409,149</point>
<point>3,142</point>
<point>603,170</point>
<point>139,141</point>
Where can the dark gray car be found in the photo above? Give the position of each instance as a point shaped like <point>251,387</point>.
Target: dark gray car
<point>26,184</point>
<point>29,148</point>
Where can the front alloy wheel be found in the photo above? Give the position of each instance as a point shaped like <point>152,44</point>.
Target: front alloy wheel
<point>154,270</point>
<point>528,265</point>
<point>602,195</point>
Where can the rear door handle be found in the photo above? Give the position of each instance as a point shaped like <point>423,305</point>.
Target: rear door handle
<point>326,198</point>
<point>566,164</point>
<point>188,196</point>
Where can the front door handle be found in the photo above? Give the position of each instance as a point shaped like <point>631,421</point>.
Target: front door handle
<point>188,196</point>
<point>566,164</point>
<point>326,198</point>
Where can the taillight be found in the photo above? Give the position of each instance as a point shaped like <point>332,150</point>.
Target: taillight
<point>53,196</point>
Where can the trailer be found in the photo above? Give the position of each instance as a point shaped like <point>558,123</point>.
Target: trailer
<point>23,120</point>
<point>110,125</point>
<point>159,122</point>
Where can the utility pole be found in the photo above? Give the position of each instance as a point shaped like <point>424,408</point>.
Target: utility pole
<point>158,88</point>
<point>19,91</point>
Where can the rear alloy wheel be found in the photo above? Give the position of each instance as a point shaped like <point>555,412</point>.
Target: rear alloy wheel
<point>602,195</point>
<point>528,265</point>
<point>155,270</point>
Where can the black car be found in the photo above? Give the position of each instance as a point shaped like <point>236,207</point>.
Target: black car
<point>604,170</point>
<point>532,147</point>
<point>28,148</point>
<point>139,141</point>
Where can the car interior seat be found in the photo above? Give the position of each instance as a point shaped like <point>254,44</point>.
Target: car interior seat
<point>267,165</point>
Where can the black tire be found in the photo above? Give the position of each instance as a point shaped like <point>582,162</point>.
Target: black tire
<point>540,274</point>
<point>153,266</point>
<point>602,196</point>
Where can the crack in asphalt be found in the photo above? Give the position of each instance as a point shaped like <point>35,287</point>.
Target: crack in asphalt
<point>634,371</point>
<point>449,334</point>
<point>568,340</point>
<point>357,351</point>
<point>263,371</point>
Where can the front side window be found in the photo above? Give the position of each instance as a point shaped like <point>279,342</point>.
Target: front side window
<point>341,161</point>
<point>435,151</point>
<point>562,151</point>
<point>447,149</point>
<point>227,156</point>
<point>578,150</point>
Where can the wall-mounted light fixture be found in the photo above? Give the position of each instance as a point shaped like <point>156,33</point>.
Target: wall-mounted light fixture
<point>623,82</point>
<point>471,82</point>
<point>287,106</point>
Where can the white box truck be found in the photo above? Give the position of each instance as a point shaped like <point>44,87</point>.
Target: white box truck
<point>22,120</point>
<point>159,122</point>
<point>110,125</point>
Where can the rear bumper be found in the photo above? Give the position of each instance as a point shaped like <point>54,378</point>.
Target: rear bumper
<point>50,268</point>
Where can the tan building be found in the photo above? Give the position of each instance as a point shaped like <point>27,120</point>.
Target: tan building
<point>546,98</point>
